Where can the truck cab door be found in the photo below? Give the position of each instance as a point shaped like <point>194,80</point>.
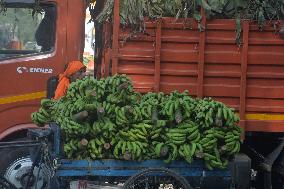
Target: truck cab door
<point>32,49</point>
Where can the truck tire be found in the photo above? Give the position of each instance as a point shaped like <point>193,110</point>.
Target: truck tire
<point>12,162</point>
<point>4,184</point>
<point>15,164</point>
<point>278,172</point>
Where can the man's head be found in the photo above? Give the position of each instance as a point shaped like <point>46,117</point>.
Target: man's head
<point>75,70</point>
<point>80,74</point>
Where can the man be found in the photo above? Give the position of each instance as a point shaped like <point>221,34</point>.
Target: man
<point>75,70</point>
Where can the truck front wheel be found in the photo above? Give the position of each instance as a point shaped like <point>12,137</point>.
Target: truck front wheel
<point>15,164</point>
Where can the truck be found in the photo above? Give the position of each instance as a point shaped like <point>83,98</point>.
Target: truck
<point>171,55</point>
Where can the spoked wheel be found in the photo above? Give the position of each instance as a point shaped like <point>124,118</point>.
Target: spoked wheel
<point>4,184</point>
<point>156,179</point>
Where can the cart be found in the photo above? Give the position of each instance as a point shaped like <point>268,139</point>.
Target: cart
<point>115,174</point>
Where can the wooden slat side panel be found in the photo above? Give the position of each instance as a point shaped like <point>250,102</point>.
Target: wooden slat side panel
<point>180,54</point>
<point>266,54</point>
<point>180,83</point>
<point>265,87</point>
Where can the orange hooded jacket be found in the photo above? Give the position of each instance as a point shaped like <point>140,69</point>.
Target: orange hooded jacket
<point>64,81</point>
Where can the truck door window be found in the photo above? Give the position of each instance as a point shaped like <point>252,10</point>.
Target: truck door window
<point>22,34</point>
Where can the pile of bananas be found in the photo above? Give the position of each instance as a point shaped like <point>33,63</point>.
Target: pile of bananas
<point>107,119</point>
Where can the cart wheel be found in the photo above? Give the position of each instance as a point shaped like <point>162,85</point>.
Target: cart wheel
<point>156,178</point>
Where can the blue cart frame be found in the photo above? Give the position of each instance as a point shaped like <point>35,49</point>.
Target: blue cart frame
<point>237,175</point>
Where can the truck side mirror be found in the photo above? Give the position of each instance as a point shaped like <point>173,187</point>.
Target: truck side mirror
<point>52,83</point>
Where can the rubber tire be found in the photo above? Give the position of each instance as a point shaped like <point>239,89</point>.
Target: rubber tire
<point>278,175</point>
<point>4,184</point>
<point>9,156</point>
<point>171,173</point>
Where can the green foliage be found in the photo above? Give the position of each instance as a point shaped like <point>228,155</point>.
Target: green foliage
<point>132,12</point>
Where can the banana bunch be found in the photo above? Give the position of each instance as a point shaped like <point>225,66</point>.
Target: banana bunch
<point>104,127</point>
<point>98,148</point>
<point>176,136</point>
<point>213,161</point>
<point>149,111</point>
<point>40,118</point>
<point>172,154</point>
<point>171,110</point>
<point>130,150</point>
<point>138,132</point>
<point>183,133</point>
<point>45,113</point>
<point>95,91</point>
<point>212,113</point>
<point>93,106</point>
<point>218,144</point>
<point>117,84</point>
<point>109,109</point>
<point>208,142</point>
<point>232,141</point>
<point>192,130</point>
<point>157,131</point>
<point>127,114</point>
<point>163,150</point>
<point>188,105</point>
<point>47,103</point>
<point>153,98</point>
<point>150,105</point>
<point>76,148</point>
<point>87,88</point>
<point>160,149</point>
<point>72,128</point>
<point>174,108</point>
<point>188,150</point>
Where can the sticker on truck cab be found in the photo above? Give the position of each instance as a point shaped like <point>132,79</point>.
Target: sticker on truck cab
<point>22,70</point>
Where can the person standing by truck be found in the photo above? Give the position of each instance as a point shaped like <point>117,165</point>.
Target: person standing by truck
<point>75,70</point>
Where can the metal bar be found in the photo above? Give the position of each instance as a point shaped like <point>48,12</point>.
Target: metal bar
<point>201,61</point>
<point>18,142</point>
<point>116,25</point>
<point>56,137</point>
<point>18,145</point>
<point>127,173</point>
<point>114,164</point>
<point>244,64</point>
<point>158,42</point>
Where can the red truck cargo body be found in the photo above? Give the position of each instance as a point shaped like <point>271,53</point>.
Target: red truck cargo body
<point>174,55</point>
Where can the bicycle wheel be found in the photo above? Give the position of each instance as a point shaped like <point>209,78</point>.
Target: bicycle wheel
<point>155,178</point>
<point>4,184</point>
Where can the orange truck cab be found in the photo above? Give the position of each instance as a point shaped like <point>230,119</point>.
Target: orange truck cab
<point>37,40</point>
<point>44,43</point>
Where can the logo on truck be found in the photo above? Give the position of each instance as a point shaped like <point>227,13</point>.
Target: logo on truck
<point>22,70</point>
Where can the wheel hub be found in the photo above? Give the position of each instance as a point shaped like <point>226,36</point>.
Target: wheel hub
<point>17,173</point>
